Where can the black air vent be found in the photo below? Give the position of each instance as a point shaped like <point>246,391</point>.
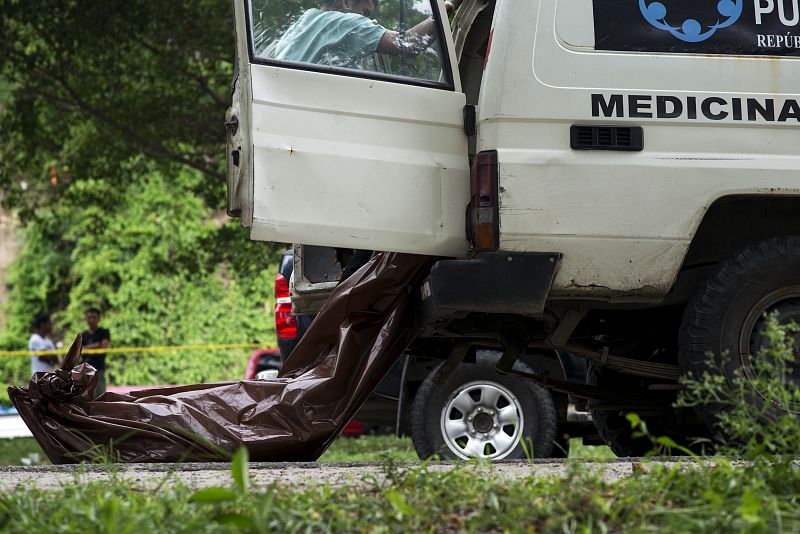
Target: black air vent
<point>606,137</point>
<point>584,136</point>
<point>623,137</point>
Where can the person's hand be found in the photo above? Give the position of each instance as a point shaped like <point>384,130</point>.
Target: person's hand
<point>452,5</point>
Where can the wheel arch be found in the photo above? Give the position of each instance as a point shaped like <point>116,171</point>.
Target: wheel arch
<point>724,230</point>
<point>729,225</point>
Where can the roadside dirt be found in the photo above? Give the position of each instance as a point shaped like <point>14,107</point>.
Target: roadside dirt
<point>296,475</point>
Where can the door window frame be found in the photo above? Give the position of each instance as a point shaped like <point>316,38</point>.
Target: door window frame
<point>448,84</point>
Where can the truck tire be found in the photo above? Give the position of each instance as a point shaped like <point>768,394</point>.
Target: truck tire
<point>613,426</point>
<point>726,316</point>
<point>479,412</point>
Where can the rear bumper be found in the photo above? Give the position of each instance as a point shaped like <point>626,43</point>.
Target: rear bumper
<point>492,282</point>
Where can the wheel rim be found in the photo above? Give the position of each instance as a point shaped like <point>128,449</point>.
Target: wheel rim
<point>482,420</point>
<point>786,302</point>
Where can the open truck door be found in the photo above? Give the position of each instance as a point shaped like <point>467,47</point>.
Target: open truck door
<point>344,138</point>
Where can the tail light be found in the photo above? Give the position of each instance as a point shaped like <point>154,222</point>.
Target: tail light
<point>285,322</point>
<point>484,219</point>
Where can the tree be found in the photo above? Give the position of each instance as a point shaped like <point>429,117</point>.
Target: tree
<point>90,84</point>
<point>112,154</point>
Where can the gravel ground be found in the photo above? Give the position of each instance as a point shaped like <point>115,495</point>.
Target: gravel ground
<point>292,474</point>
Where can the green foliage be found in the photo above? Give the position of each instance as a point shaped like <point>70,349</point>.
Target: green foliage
<point>112,157</point>
<point>716,495</point>
<point>38,282</point>
<point>164,268</point>
<point>753,497</point>
<point>88,85</point>
<point>755,405</point>
<point>756,409</point>
<point>240,470</point>
<point>370,449</point>
<point>344,449</point>
<point>579,451</point>
<point>21,451</point>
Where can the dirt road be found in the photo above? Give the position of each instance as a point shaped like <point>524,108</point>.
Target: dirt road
<point>289,474</point>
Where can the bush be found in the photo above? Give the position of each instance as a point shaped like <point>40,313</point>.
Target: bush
<point>164,267</point>
<point>754,413</point>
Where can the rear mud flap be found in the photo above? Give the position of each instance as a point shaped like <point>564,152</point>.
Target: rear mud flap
<point>515,283</point>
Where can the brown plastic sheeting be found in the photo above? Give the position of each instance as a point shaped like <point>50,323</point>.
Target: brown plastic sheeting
<point>362,329</point>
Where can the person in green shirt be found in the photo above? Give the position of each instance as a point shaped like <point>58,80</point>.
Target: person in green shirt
<point>340,34</point>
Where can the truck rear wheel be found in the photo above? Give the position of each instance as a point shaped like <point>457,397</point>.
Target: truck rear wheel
<point>613,426</point>
<point>480,413</point>
<point>726,316</point>
<point>615,429</point>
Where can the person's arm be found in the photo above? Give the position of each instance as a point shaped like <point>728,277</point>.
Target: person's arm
<point>417,38</point>
<point>106,341</point>
<point>40,345</point>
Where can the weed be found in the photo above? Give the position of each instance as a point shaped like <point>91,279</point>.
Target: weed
<point>370,449</point>
<point>757,493</point>
<point>725,496</point>
<point>755,406</point>
<point>21,451</point>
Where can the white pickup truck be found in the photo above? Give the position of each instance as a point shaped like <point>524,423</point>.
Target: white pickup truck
<point>610,180</point>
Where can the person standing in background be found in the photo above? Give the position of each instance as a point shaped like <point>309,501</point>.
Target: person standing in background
<point>96,337</point>
<point>40,341</point>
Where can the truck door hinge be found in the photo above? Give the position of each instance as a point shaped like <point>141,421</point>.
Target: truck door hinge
<point>470,120</point>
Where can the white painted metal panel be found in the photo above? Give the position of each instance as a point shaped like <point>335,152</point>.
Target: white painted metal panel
<point>238,154</point>
<point>622,220</point>
<point>358,163</point>
<point>362,163</point>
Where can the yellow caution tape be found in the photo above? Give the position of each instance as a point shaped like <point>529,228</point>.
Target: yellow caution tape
<point>127,350</point>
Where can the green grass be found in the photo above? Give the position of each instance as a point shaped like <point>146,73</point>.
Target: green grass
<point>370,449</point>
<point>14,451</point>
<point>758,496</point>
<point>383,448</point>
<point>755,498</point>
<point>344,449</point>
<point>578,450</point>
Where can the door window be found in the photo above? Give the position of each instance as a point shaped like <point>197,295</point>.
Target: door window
<point>398,39</point>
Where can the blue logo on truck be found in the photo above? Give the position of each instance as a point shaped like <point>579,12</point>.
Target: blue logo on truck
<point>691,31</point>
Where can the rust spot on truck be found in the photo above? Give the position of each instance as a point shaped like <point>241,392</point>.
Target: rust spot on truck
<point>643,293</point>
